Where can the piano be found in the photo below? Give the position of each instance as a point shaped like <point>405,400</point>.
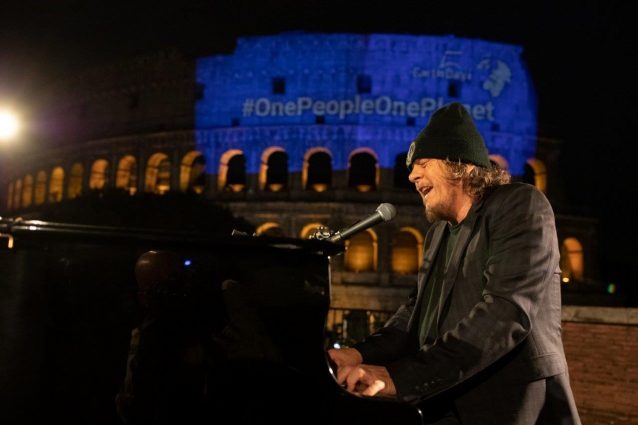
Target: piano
<point>104,325</point>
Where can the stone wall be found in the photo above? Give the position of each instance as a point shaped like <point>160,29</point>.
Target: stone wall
<point>601,345</point>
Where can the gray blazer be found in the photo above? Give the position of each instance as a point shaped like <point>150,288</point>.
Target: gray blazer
<point>499,357</point>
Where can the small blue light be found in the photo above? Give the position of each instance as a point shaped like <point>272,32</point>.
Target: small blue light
<point>187,263</point>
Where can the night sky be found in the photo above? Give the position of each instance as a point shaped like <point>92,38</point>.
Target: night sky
<point>580,59</point>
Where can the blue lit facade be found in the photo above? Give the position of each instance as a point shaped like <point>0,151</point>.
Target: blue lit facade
<point>330,103</point>
<point>343,92</point>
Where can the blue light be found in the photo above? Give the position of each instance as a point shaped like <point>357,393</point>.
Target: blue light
<point>374,91</point>
<point>187,263</point>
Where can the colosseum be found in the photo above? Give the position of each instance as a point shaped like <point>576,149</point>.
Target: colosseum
<point>293,132</point>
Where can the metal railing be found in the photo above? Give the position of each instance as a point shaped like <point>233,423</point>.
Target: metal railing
<point>345,327</point>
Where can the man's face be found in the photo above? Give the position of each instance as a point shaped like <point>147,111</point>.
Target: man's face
<point>440,195</point>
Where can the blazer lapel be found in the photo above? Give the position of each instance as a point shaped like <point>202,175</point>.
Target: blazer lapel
<point>455,261</point>
<point>429,255</point>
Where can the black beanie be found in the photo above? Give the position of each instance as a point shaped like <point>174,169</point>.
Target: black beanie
<point>450,134</point>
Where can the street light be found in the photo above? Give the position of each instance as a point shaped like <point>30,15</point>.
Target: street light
<point>9,125</point>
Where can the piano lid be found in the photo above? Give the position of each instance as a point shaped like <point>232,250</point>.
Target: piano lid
<point>43,230</point>
<point>237,331</point>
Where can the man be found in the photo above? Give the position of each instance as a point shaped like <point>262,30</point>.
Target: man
<point>480,337</point>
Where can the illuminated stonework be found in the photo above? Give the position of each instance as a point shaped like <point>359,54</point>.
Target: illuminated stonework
<point>290,132</point>
<point>369,91</point>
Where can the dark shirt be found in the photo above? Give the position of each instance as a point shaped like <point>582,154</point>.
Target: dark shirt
<point>428,331</point>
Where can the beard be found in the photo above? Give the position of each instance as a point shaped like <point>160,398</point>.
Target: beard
<point>432,216</point>
<point>437,212</point>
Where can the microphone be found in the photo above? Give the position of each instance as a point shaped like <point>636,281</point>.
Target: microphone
<point>384,212</point>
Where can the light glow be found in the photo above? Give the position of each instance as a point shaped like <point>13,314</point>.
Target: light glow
<point>9,125</point>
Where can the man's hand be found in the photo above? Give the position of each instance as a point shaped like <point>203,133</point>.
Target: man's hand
<point>367,380</point>
<point>345,357</point>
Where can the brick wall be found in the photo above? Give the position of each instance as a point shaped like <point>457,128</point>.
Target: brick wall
<point>601,345</point>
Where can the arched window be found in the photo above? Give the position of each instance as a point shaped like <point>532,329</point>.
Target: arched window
<point>406,251</point>
<point>401,172</point>
<point>499,161</point>
<point>192,175</point>
<point>535,173</point>
<point>40,187</point>
<point>126,177</point>
<point>10,197</point>
<point>74,186</point>
<point>361,252</point>
<point>363,170</point>
<point>232,171</point>
<point>316,174</point>
<point>572,263</point>
<point>269,229</point>
<point>17,194</point>
<point>308,230</point>
<point>99,174</point>
<point>158,174</point>
<point>56,185</point>
<point>273,175</point>
<point>27,191</point>
<point>528,174</point>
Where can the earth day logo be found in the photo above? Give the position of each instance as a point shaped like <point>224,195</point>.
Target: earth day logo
<point>496,75</point>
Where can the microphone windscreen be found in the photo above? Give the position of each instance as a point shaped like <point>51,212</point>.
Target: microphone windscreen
<point>387,211</point>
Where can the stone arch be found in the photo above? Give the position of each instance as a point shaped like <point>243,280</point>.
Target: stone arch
<point>17,194</point>
<point>192,176</point>
<point>126,177</point>
<point>232,171</point>
<point>500,161</point>
<point>269,229</point>
<point>99,177</point>
<point>363,170</point>
<point>361,252</point>
<point>316,173</point>
<point>27,191</point>
<point>572,261</point>
<point>56,184</point>
<point>40,187</point>
<point>536,174</point>
<point>10,196</point>
<point>273,173</point>
<point>158,173</point>
<point>74,185</point>
<point>407,249</point>
<point>401,172</point>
